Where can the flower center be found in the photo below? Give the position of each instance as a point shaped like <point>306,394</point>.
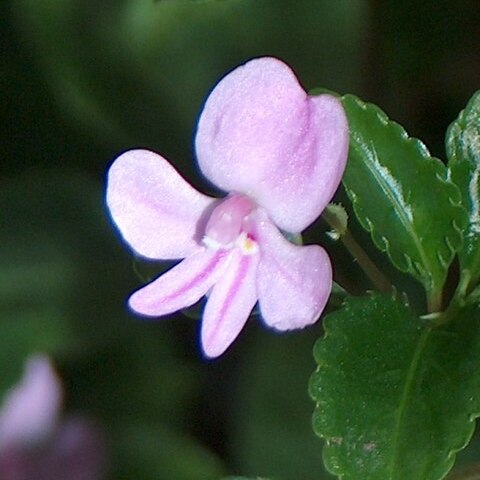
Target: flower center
<point>229,226</point>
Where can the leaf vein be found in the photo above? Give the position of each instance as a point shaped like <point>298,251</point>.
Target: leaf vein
<point>400,412</point>
<point>389,186</point>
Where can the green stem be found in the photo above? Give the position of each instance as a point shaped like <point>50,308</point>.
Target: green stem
<point>458,301</point>
<point>434,301</point>
<point>378,279</point>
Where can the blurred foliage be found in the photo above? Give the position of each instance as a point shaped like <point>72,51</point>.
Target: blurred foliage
<point>136,72</point>
<point>271,424</point>
<point>82,81</point>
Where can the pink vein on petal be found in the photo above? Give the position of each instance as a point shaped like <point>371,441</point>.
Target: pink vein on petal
<point>232,291</point>
<point>197,278</point>
<point>229,304</point>
<point>180,287</point>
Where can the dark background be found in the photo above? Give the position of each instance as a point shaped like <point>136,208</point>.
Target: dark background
<point>82,81</point>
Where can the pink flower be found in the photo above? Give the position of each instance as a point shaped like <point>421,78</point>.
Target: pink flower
<point>35,442</point>
<point>31,409</point>
<point>280,154</point>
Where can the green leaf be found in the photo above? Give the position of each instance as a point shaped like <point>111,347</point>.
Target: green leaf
<point>396,398</point>
<point>402,195</point>
<point>463,151</point>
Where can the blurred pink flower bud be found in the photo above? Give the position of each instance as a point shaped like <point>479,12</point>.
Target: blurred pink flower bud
<point>31,409</point>
<point>35,443</point>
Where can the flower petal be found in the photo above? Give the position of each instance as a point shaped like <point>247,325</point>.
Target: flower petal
<point>157,212</point>
<point>261,135</point>
<point>294,282</point>
<point>182,286</point>
<point>229,304</point>
<point>78,452</point>
<point>30,411</point>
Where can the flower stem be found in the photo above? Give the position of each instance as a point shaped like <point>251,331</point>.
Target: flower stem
<point>434,301</point>
<point>378,279</point>
<point>381,282</point>
<point>458,301</point>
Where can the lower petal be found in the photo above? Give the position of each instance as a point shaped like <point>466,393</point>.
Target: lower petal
<point>180,287</point>
<point>294,282</point>
<point>229,304</point>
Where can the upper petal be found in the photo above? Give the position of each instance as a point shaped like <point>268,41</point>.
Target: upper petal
<point>180,287</point>
<point>294,282</point>
<point>157,212</point>
<point>260,134</point>
<point>229,304</point>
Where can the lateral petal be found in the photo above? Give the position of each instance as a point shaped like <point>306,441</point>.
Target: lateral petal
<point>294,282</point>
<point>181,286</point>
<point>229,304</point>
<point>157,212</point>
<point>260,134</point>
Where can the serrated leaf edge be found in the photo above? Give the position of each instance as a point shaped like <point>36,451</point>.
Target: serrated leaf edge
<point>471,419</point>
<point>458,126</point>
<point>418,270</point>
